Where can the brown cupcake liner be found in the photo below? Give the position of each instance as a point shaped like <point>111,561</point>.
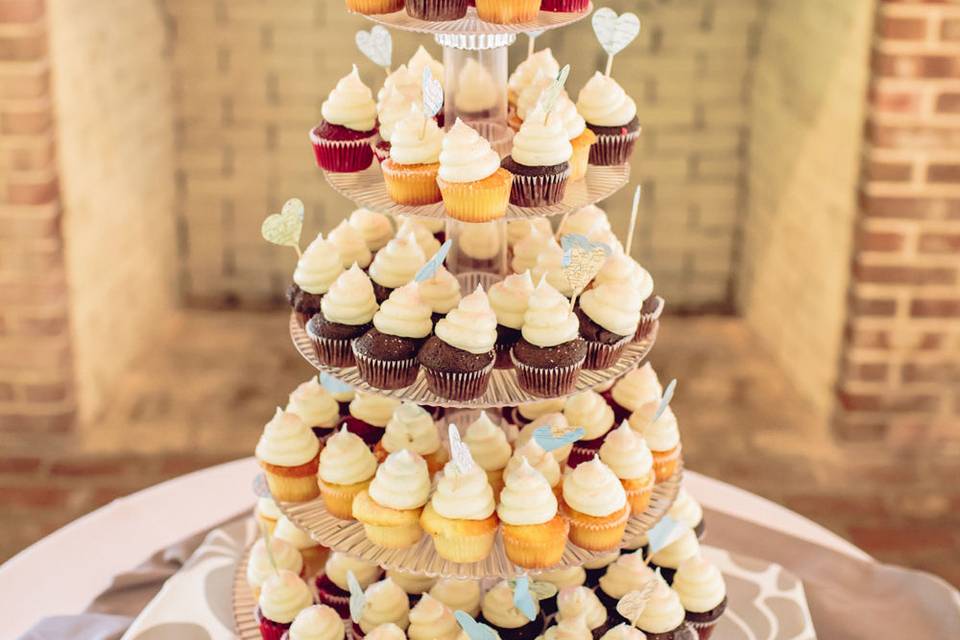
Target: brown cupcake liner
<point>538,191</point>
<point>704,629</point>
<point>604,356</point>
<point>459,386</point>
<point>502,360</point>
<point>386,374</point>
<point>647,320</point>
<point>613,149</point>
<point>436,10</point>
<point>332,352</point>
<point>546,382</point>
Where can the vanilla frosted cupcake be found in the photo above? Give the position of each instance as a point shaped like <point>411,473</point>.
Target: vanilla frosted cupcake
<point>260,567</point>
<point>540,459</point>
<point>663,615</point>
<point>529,97</point>
<point>375,228</point>
<point>386,355</point>
<point>573,576</point>
<point>477,92</point>
<point>345,315</point>
<point>637,392</point>
<point>410,173</point>
<point>441,292</point>
<point>509,299</point>
<point>394,103</point>
<point>595,504</point>
<point>622,270</point>
<point>460,516</point>
<point>589,410</point>
<point>479,249</point>
<point>459,357</point>
<point>550,352</point>
<point>401,80</point>
<point>316,270</point>
<point>267,513</point>
<point>422,59</point>
<point>556,421</point>
<point>687,510</point>
<point>489,448</point>
<point>669,558</point>
<point>395,265</point>
<point>384,602</point>
<point>581,138</point>
<point>590,221</point>
<point>312,553</point>
<point>612,115</point>
<point>609,316</point>
<point>458,595</point>
<point>414,584</point>
<point>316,407</point>
<point>390,508</point>
<point>333,587</point>
<point>413,428</point>
<point>534,534</point>
<point>318,622</point>
<point>627,455</point>
<point>427,242</point>
<point>346,468</point>
<point>351,245</point>
<point>529,411</point>
<point>369,415</point>
<point>549,265</point>
<point>527,250</point>
<point>663,438</point>
<point>702,593</point>
<point>288,452</point>
<point>473,186</point>
<point>574,602</point>
<point>342,140</point>
<point>627,573</point>
<point>624,631</point>
<point>517,230</point>
<point>430,619</point>
<point>539,61</point>
<point>498,611</point>
<point>539,161</point>
<point>282,596</point>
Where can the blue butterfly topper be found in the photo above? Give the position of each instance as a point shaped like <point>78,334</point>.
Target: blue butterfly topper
<point>429,269</point>
<point>549,440</point>
<point>333,385</point>
<point>474,630</point>
<point>665,400</point>
<point>664,533</point>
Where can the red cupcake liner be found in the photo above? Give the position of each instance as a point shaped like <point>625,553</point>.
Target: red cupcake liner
<point>342,156</point>
<point>332,352</point>
<point>604,356</point>
<point>583,451</point>
<point>647,320</point>
<point>546,382</point>
<point>538,191</point>
<point>564,6</point>
<point>459,386</point>
<point>615,149</point>
<point>270,630</point>
<point>386,374</point>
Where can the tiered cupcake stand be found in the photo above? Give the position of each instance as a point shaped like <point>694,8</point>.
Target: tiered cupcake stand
<point>486,43</point>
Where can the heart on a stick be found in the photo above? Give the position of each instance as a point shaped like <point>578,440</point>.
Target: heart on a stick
<point>377,45</point>
<point>284,228</point>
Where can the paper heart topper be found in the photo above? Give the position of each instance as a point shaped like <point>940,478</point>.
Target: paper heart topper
<point>665,399</point>
<point>524,592</point>
<point>614,32</point>
<point>632,604</point>
<point>333,385</point>
<point>582,259</point>
<point>459,452</point>
<point>432,94</point>
<point>551,438</point>
<point>260,487</point>
<point>474,630</point>
<point>548,98</point>
<point>377,45</point>
<point>284,228</point>
<point>357,598</point>
<point>664,533</point>
<point>429,269</point>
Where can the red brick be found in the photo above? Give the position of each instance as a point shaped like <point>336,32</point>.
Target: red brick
<point>927,135</point>
<point>903,208</point>
<point>868,338</point>
<point>919,276</point>
<point>902,102</point>
<point>939,243</point>
<point>932,308</point>
<point>57,392</point>
<point>943,173</point>
<point>948,102</point>
<point>19,464</point>
<point>889,171</point>
<point>26,120</point>
<point>929,372</point>
<point>23,47</point>
<point>29,191</point>
<point>40,497</point>
<point>6,389</point>
<point>20,10</point>
<point>874,307</point>
<point>896,28</point>
<point>913,536</point>
<point>881,241</point>
<point>893,65</point>
<point>950,29</point>
<point>868,372</point>
<point>107,467</point>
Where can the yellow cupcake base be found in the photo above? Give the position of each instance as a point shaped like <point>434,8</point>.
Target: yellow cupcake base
<point>370,7</point>
<point>480,201</point>
<point>536,546</point>
<point>338,498</point>
<point>411,184</point>
<point>508,11</point>
<point>386,527</point>
<point>581,154</point>
<point>459,540</point>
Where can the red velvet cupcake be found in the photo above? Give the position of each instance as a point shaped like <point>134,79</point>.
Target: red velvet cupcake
<point>369,415</point>
<point>343,141</point>
<point>564,6</point>
<point>282,597</point>
<point>589,410</point>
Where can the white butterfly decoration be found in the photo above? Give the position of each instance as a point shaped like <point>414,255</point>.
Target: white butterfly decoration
<point>460,452</point>
<point>633,603</point>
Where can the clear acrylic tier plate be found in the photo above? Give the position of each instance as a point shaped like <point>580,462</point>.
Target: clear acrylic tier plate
<point>367,189</point>
<point>472,25</point>
<point>244,606</point>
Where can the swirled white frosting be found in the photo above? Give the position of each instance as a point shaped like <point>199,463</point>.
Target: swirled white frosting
<point>663,612</point>
<point>589,410</point>
<point>458,595</point>
<point>476,89</point>
<point>614,307</point>
<point>541,141</point>
<point>699,584</point>
<point>415,139</point>
<point>373,408</point>
<point>626,453</point>
<point>463,496</point>
<point>384,602</point>
<point>259,567</point>
<point>587,221</point>
<point>373,226</point>
<point>441,292</point>
<point>430,619</point>
<point>318,622</point>
<point>472,326</point>
<point>427,242</point>
<point>411,427</point>
<point>628,573</point>
<point>311,402</point>
<point>401,482</point>
<point>603,103</point>
<point>394,106</point>
<point>593,489</point>
<point>526,497</point>
<point>570,628</point>
<point>403,80</point>
<point>542,61</point>
<point>466,155</point>
<point>404,314</point>
<point>283,595</point>
<point>509,299</point>
<point>318,267</point>
<point>499,610</point>
<point>550,266</point>
<point>350,299</point>
<point>420,59</point>
<point>346,459</point>
<point>548,320</point>
<point>581,601</point>
<point>397,263</point>
<point>529,97</point>
<point>526,251</point>
<point>481,240</point>
<point>286,441</point>
<point>267,508</point>
<point>637,388</point>
<point>686,509</point>
<point>566,112</point>
<point>573,576</point>
<point>487,443</point>
<point>663,434</point>
<point>386,631</point>
<point>552,420</point>
<point>537,457</point>
<point>621,269</point>
<point>411,583</point>
<point>624,632</point>
<point>339,564</point>
<point>292,534</point>
<point>536,408</point>
<point>684,547</point>
<point>517,230</point>
<point>351,245</point>
<point>351,104</point>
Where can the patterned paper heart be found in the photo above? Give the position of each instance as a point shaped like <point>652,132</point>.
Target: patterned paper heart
<point>632,604</point>
<point>582,259</point>
<point>552,438</point>
<point>432,93</point>
<point>615,32</point>
<point>284,228</point>
<point>377,45</point>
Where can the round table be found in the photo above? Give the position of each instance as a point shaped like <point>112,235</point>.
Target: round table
<point>63,574</point>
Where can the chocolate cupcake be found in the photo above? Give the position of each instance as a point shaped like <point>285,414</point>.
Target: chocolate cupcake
<point>550,352</point>
<point>387,354</point>
<point>609,315</point>
<point>539,161</point>
<point>669,558</point>
<point>508,298</point>
<point>612,115</point>
<point>395,265</point>
<point>342,140</point>
<point>498,611</point>
<point>316,270</point>
<point>345,315</point>
<point>441,292</point>
<point>437,10</point>
<point>702,593</point>
<point>458,359</point>
<point>331,583</point>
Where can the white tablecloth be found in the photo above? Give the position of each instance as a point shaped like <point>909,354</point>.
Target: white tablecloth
<point>63,572</point>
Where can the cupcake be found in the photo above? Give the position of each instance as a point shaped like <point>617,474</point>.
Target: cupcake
<point>288,452</point>
<point>342,141</point>
<point>555,421</point>
<point>375,228</point>
<point>413,428</point>
<point>372,7</point>
<point>638,390</point>
<point>395,265</point>
<point>623,270</point>
<point>539,161</point>
<point>313,554</point>
<point>410,173</point>
<point>508,11</point>
<point>498,611</point>
<point>346,469</point>
<point>282,596</point>
<point>343,394</point>
<point>315,407</point>
<point>386,631</point>
<point>460,516</point>
<point>441,292</point>
<point>260,567</point>
<point>393,105</point>
<point>459,357</point>
<point>431,619</point>
<point>624,631</point>
<point>702,593</point>
<point>581,138</point>
<point>628,456</point>
<point>550,266</point>
<point>333,589</point>
<point>458,595</point>
<point>538,458</point>
<point>518,230</point>
<point>413,584</point>
<point>267,513</point>
<point>351,245</point>
<point>384,602</point>
<point>628,573</point>
<point>582,602</point>
<point>427,242</point>
<point>529,97</point>
<point>550,352</point>
<point>386,355</point>
<point>609,315</point>
<point>473,186</point>
<point>534,534</point>
<point>403,80</point>
<point>489,449</point>
<point>477,92</point>
<point>479,249</point>
<point>436,226</point>
<point>663,438</point>
<point>565,6</point>
<point>526,250</point>
<point>526,412</point>
<point>315,623</point>
<point>508,298</point>
<point>663,616</point>
<point>596,567</point>
<point>345,314</point>
<point>612,115</point>
<point>539,61</point>
<point>589,410</point>
<point>420,60</point>
<point>437,10</point>
<point>390,508</point>
<point>563,578</point>
<point>570,628</point>
<point>316,270</point>
<point>686,510</point>
<point>595,505</point>
<point>669,558</point>
<point>369,415</point>
<point>590,221</point>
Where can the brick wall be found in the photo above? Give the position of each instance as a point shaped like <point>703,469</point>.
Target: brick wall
<point>36,390</point>
<point>900,376</point>
<point>806,114</point>
<point>111,80</point>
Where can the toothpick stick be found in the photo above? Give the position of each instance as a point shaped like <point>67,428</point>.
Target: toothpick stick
<point>633,220</point>
<point>609,66</point>
<point>266,538</point>
<point>531,43</point>
<point>387,71</point>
